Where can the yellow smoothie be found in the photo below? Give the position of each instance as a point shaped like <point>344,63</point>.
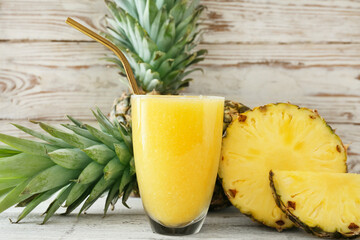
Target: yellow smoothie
<point>177,141</point>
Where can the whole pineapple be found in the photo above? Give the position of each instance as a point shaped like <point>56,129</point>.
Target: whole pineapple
<point>159,38</point>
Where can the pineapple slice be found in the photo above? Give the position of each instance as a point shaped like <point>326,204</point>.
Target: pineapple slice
<point>324,204</point>
<point>280,137</point>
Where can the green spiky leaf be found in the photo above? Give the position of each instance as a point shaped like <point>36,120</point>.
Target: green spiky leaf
<point>91,173</point>
<point>6,151</point>
<point>27,146</point>
<point>70,158</point>
<point>35,202</point>
<point>100,153</point>
<point>56,204</point>
<point>23,165</point>
<point>71,138</point>
<point>50,178</point>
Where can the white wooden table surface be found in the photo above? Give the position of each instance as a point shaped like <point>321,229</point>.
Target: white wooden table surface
<point>123,223</point>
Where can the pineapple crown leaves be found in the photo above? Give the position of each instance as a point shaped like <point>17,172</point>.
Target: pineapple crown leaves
<point>80,164</point>
<point>158,38</point>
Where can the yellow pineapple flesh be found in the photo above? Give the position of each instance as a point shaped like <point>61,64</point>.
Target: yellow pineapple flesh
<point>275,136</point>
<point>325,204</point>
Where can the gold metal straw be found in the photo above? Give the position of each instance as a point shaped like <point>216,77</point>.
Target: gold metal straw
<point>129,73</point>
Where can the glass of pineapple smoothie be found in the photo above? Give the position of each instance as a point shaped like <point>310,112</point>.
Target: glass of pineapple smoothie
<point>177,142</point>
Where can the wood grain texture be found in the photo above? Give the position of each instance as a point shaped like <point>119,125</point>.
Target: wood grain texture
<point>274,21</point>
<point>45,20</point>
<point>131,224</point>
<point>56,79</point>
<point>284,21</point>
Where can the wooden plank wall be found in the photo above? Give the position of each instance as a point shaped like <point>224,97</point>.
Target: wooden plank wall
<point>306,52</point>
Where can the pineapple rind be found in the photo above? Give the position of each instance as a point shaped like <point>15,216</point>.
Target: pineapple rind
<point>284,223</point>
<point>315,230</point>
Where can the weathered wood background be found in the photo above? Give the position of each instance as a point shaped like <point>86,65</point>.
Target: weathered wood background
<point>260,51</point>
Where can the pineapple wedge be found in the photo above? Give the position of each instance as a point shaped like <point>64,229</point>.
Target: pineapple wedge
<point>324,204</point>
<point>280,137</point>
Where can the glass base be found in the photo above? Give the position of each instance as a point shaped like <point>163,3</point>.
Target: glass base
<point>193,228</point>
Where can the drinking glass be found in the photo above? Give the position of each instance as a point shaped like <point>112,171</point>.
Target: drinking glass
<point>177,144</point>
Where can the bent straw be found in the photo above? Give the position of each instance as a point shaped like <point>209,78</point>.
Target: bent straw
<point>129,73</point>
